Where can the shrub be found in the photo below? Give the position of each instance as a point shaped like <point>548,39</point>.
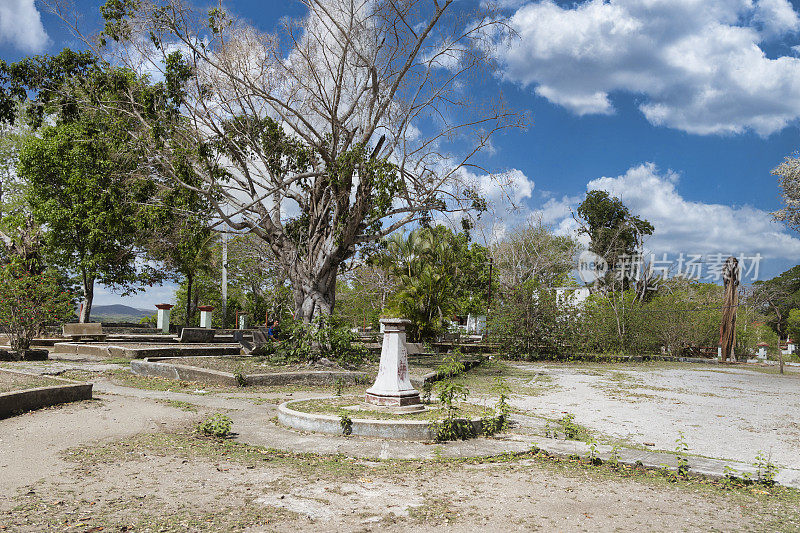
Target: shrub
<point>530,320</point>
<point>326,336</point>
<point>346,423</point>
<point>217,425</point>
<point>28,302</point>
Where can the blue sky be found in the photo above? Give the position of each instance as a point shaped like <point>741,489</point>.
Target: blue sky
<point>680,107</point>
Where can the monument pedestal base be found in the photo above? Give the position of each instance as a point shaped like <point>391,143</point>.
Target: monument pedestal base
<point>394,400</point>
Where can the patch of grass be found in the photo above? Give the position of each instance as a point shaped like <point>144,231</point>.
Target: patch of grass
<point>14,382</point>
<point>334,406</point>
<point>118,361</point>
<point>480,380</point>
<point>246,365</point>
<point>777,507</point>
<point>127,378</point>
<point>185,406</point>
<point>435,510</point>
<point>57,512</point>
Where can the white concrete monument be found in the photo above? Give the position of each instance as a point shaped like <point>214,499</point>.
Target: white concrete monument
<point>205,316</point>
<point>392,387</point>
<point>162,318</point>
<point>243,321</point>
<point>762,350</point>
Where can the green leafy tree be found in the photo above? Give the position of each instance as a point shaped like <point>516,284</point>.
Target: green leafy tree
<point>175,232</point>
<point>257,285</point>
<point>91,221</point>
<point>614,233</point>
<point>683,314</point>
<point>777,296</point>
<point>89,169</point>
<point>793,325</point>
<point>362,294</point>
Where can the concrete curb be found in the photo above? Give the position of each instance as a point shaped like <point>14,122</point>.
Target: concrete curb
<point>15,402</point>
<point>155,367</point>
<point>704,466</point>
<point>386,429</point>
<point>622,359</point>
<point>173,350</point>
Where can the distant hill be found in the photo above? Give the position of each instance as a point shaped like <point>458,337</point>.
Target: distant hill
<point>119,313</point>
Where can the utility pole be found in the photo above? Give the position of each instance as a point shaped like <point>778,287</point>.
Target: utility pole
<point>224,277</point>
<point>489,297</point>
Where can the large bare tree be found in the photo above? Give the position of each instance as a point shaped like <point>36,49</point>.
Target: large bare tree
<point>329,133</point>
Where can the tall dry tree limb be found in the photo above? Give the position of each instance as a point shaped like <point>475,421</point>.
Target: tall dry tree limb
<point>331,133</point>
<point>727,328</point>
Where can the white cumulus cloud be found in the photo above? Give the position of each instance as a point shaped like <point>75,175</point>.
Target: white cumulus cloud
<point>693,65</point>
<point>21,26</point>
<point>694,227</point>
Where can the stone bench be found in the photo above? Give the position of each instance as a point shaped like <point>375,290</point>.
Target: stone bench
<point>197,335</point>
<point>89,330</point>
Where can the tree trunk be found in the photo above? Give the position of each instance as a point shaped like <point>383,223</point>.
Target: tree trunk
<point>314,298</point>
<point>189,280</point>
<point>727,328</point>
<point>87,283</point>
<point>780,336</point>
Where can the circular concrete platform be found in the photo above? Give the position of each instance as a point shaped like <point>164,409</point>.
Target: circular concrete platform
<point>416,430</point>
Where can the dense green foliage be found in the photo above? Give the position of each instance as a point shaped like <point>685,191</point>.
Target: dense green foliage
<point>82,171</point>
<point>326,336</point>
<point>90,216</point>
<point>777,296</point>
<point>257,285</point>
<point>793,323</point>
<point>439,274</point>
<point>217,425</point>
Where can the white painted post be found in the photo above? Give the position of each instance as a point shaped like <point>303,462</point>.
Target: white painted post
<point>392,387</point>
<point>205,316</point>
<point>162,318</point>
<point>719,353</point>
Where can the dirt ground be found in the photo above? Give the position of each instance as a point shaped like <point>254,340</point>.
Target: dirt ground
<point>131,464</point>
<point>725,412</point>
<point>131,460</point>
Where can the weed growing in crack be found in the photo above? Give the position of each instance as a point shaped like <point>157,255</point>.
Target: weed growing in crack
<point>680,451</point>
<point>766,470</point>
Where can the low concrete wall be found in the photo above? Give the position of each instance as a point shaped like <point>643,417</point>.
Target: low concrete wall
<point>432,377</point>
<point>163,368</point>
<point>385,429</point>
<point>154,368</point>
<point>15,402</point>
<point>141,352</point>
